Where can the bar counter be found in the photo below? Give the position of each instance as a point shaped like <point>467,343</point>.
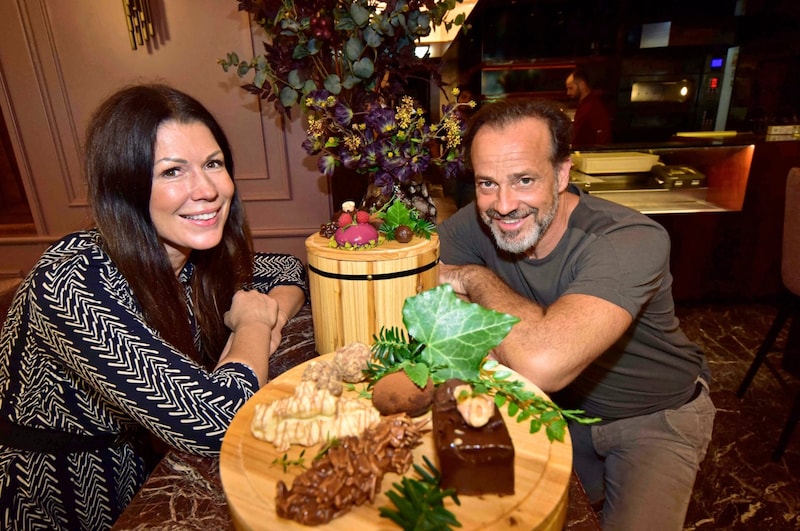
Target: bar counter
<point>185,491</point>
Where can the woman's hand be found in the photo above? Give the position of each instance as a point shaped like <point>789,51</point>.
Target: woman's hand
<point>253,320</point>
<point>251,308</point>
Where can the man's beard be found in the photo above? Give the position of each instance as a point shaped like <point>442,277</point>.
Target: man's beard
<point>518,242</point>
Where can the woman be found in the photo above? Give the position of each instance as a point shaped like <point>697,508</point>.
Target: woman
<point>158,322</point>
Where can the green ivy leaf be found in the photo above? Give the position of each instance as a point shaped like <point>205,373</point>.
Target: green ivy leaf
<point>457,335</point>
<point>397,215</point>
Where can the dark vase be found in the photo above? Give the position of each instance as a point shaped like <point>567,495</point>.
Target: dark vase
<point>414,194</point>
<point>347,185</point>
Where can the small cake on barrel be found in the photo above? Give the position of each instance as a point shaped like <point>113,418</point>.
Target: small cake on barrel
<point>473,460</point>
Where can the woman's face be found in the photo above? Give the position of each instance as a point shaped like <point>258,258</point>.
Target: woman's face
<point>191,190</point>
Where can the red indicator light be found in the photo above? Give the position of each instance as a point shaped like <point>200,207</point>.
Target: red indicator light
<point>714,82</point>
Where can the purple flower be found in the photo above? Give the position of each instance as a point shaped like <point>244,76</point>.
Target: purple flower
<point>311,147</point>
<point>326,164</point>
<point>389,156</point>
<point>316,99</point>
<point>350,160</point>
<point>342,114</point>
<point>370,156</point>
<point>453,168</point>
<point>381,121</point>
<point>384,181</point>
<point>419,163</point>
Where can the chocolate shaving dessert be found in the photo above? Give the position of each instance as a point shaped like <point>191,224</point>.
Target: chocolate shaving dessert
<point>350,472</point>
<point>476,455</point>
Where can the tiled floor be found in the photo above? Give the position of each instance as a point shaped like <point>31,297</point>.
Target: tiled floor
<point>739,486</point>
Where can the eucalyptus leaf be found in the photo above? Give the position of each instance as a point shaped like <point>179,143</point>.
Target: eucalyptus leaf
<point>333,84</point>
<point>364,68</point>
<point>314,46</point>
<point>300,51</point>
<point>353,49</point>
<point>309,86</point>
<point>288,96</point>
<point>457,335</point>
<point>243,68</point>
<point>372,38</point>
<point>350,81</point>
<point>359,13</point>
<point>424,22</point>
<point>293,79</point>
<point>260,78</point>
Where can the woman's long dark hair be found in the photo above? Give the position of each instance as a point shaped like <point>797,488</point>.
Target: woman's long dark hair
<point>120,153</point>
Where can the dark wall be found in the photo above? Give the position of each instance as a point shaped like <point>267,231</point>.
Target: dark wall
<point>605,34</point>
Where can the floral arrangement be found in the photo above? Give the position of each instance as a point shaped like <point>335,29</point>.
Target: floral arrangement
<point>344,63</point>
<point>360,51</point>
<point>394,145</point>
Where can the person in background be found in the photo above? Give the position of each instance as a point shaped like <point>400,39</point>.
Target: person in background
<point>159,322</point>
<point>464,187</point>
<point>590,281</point>
<point>592,121</point>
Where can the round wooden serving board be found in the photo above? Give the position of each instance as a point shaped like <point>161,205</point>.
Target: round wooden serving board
<point>542,474</point>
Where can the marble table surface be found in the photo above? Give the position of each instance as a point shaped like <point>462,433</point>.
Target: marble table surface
<point>185,491</point>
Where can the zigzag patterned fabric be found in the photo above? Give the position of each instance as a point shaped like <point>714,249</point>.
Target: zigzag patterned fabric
<point>77,356</point>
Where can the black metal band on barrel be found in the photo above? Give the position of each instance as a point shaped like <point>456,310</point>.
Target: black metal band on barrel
<point>377,276</point>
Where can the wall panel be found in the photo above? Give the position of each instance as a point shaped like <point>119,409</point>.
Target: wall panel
<point>59,59</point>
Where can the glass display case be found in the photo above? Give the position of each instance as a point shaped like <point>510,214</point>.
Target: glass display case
<point>699,175</point>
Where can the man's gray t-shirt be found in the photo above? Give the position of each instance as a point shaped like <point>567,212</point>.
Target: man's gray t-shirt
<point>619,255</point>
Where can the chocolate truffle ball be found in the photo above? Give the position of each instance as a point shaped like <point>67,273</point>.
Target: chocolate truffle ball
<point>396,393</point>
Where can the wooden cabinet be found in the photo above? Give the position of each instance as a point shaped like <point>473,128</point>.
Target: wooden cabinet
<point>726,236</point>
<point>735,256</point>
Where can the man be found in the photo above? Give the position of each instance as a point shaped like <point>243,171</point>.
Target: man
<point>592,122</point>
<point>590,281</point>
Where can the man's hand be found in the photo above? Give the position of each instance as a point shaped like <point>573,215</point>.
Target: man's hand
<point>454,275</point>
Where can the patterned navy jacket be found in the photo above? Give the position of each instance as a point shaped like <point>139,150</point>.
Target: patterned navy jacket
<point>77,356</point>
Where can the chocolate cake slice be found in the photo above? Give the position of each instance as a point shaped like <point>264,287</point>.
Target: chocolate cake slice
<point>473,461</point>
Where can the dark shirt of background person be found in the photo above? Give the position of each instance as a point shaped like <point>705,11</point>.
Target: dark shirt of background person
<point>592,122</point>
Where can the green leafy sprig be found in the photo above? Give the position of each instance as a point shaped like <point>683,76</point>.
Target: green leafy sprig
<point>420,502</point>
<point>393,352</point>
<point>287,463</point>
<point>399,214</point>
<point>524,404</point>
